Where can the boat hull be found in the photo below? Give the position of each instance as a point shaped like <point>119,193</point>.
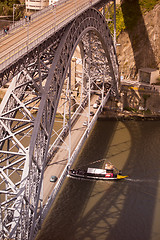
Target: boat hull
<point>81,176</point>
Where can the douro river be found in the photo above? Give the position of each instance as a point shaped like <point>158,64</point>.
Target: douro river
<point>115,210</point>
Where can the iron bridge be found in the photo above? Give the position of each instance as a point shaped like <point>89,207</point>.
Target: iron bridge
<point>57,87</point>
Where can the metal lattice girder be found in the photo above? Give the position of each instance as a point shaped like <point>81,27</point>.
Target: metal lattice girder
<point>17,58</point>
<point>28,112</point>
<point>16,123</point>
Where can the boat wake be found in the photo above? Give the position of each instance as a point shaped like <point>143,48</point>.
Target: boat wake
<point>142,180</point>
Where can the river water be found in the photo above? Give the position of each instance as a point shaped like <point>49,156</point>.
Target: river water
<point>119,210</point>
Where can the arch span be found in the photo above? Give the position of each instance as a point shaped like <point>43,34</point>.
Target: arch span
<point>38,88</point>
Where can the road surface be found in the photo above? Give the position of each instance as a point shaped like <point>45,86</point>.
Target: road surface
<point>58,163</point>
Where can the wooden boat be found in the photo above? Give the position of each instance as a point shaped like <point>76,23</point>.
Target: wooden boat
<point>109,173</point>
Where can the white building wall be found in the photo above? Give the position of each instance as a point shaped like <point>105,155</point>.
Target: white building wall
<point>36,4</point>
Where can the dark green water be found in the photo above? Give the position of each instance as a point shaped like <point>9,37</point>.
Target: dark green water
<point>122,210</point>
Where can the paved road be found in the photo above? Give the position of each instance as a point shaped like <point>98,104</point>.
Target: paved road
<point>57,165</point>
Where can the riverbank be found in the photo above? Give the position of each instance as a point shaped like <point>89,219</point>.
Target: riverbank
<point>116,114</point>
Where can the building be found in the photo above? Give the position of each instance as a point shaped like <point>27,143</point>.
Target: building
<point>36,4</point>
<point>148,75</point>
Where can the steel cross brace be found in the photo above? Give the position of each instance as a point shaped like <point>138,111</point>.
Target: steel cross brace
<point>39,87</point>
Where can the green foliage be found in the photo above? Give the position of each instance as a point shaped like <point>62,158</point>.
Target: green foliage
<point>130,109</point>
<point>10,3</point>
<point>147,5</point>
<point>6,8</point>
<point>120,25</point>
<point>128,14</point>
<point>19,12</point>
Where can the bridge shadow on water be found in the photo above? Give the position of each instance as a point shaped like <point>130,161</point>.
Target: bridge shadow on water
<point>92,210</point>
<point>138,34</point>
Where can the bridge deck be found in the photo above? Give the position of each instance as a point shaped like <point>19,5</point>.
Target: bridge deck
<point>17,43</point>
<point>58,163</point>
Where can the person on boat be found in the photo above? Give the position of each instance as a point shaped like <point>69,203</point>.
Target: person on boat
<point>109,166</point>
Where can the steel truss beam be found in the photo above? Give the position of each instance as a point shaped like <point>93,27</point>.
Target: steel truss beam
<point>28,111</point>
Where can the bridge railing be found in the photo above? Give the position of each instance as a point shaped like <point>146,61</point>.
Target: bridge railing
<point>59,21</point>
<point>22,22</point>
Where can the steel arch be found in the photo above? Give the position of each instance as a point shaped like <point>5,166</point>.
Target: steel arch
<point>26,205</point>
<point>65,52</point>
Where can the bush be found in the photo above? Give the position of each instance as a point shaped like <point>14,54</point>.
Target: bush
<point>6,8</point>
<point>128,14</point>
<point>130,109</point>
<point>1,9</point>
<point>147,5</point>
